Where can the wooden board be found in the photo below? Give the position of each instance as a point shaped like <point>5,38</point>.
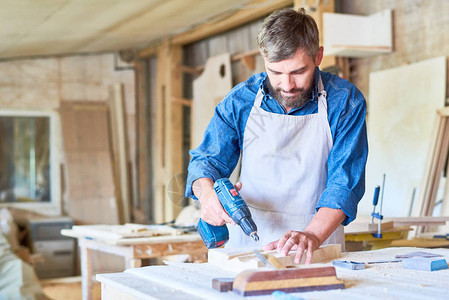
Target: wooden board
<point>401,109</point>
<point>357,36</point>
<point>425,220</point>
<point>115,232</point>
<point>120,148</point>
<point>208,90</point>
<point>364,227</point>
<point>238,260</point>
<point>89,166</point>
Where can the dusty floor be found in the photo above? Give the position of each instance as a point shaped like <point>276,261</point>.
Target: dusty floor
<point>68,289</point>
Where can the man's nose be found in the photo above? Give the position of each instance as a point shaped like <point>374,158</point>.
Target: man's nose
<point>287,82</point>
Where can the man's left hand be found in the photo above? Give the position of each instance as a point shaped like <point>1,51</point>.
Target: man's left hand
<point>296,240</point>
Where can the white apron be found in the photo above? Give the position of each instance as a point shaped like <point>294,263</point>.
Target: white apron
<point>284,172</point>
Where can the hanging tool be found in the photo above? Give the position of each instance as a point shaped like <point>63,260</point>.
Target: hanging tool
<point>235,206</point>
<point>378,215</point>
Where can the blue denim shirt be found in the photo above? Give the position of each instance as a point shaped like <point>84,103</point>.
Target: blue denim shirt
<point>219,152</point>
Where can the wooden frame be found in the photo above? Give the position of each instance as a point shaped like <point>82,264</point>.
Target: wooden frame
<point>436,160</point>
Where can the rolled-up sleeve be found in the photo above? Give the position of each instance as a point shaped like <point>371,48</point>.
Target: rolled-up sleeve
<point>219,152</point>
<point>346,163</point>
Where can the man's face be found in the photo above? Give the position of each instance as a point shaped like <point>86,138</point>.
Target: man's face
<point>291,80</point>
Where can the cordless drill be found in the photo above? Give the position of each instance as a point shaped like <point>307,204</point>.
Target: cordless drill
<point>233,204</point>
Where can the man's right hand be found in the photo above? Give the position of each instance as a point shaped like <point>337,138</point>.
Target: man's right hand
<point>212,211</point>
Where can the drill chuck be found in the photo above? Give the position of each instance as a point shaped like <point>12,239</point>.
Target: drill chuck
<point>254,236</point>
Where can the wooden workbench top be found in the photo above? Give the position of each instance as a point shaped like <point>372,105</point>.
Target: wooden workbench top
<point>386,280</point>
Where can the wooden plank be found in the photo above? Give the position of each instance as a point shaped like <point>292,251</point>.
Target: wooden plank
<point>208,90</point>
<point>364,227</point>
<point>168,161</point>
<point>436,161</point>
<point>120,148</point>
<point>445,203</point>
<point>194,247</point>
<point>429,171</point>
<point>421,243</point>
<point>90,173</point>
<point>441,157</point>
<point>238,260</point>
<point>424,220</point>
<point>355,35</point>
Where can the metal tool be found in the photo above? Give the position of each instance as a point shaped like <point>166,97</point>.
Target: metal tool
<point>378,215</point>
<point>235,206</point>
<point>264,260</point>
<point>351,265</point>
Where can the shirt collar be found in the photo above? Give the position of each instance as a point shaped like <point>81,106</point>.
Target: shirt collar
<point>266,92</point>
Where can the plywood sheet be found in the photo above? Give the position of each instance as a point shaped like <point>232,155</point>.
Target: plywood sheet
<point>402,106</point>
<point>91,188</point>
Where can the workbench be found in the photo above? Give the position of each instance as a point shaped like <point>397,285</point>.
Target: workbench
<point>133,250</point>
<point>193,281</point>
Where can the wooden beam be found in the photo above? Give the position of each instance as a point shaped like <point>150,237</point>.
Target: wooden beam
<point>168,160</point>
<point>147,52</point>
<point>255,9</point>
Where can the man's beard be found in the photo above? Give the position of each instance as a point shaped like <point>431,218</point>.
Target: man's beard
<point>292,101</point>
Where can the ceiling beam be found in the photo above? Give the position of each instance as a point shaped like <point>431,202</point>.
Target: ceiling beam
<point>252,11</point>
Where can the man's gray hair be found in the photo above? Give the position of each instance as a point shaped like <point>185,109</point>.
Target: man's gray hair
<point>285,31</point>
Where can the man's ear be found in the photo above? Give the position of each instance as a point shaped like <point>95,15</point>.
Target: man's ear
<point>319,56</point>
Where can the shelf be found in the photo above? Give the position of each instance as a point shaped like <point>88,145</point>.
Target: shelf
<point>357,36</point>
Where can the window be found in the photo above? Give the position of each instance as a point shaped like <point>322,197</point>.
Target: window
<point>29,172</point>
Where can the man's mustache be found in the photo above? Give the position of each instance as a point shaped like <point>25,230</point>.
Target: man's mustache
<point>292,91</point>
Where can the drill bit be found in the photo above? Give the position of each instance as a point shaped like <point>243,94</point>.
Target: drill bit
<point>254,236</point>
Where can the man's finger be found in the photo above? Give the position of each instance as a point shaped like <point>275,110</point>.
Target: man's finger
<point>309,252</point>
<point>270,246</point>
<point>288,245</point>
<point>227,218</point>
<point>299,254</point>
<point>282,241</point>
<point>238,186</point>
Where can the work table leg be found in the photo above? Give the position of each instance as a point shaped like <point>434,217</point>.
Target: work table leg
<point>86,272</point>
